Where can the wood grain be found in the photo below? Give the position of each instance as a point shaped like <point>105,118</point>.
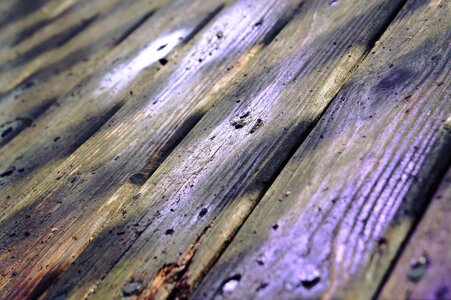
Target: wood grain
<point>51,20</point>
<point>17,16</point>
<point>224,149</point>
<point>59,56</point>
<point>58,132</point>
<point>71,198</point>
<point>151,234</point>
<point>336,215</point>
<point>92,32</point>
<point>424,268</point>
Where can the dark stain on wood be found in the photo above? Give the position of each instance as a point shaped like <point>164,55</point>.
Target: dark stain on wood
<point>395,78</point>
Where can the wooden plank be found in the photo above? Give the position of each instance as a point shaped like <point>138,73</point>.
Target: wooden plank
<point>15,15</point>
<point>25,20</point>
<point>77,191</point>
<point>424,268</point>
<point>95,29</point>
<point>150,234</point>
<point>23,105</point>
<point>19,100</point>
<point>40,149</point>
<point>34,102</point>
<point>336,215</point>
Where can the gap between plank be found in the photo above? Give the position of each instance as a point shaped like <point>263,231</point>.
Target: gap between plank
<point>418,213</point>
<point>372,43</point>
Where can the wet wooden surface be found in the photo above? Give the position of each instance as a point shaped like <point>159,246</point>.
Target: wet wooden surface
<point>214,149</point>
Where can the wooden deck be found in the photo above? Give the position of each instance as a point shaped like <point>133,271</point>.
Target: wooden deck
<point>225,149</point>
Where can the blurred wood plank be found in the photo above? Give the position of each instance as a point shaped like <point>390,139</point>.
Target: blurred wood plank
<point>424,268</point>
<point>16,15</point>
<point>335,217</point>
<point>127,73</point>
<point>57,74</point>
<point>49,19</point>
<point>220,170</point>
<point>41,148</point>
<point>94,26</point>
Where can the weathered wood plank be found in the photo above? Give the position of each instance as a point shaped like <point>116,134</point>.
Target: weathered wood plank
<point>34,154</point>
<point>424,268</point>
<point>43,20</point>
<point>16,15</point>
<point>74,196</point>
<point>220,170</point>
<point>31,150</point>
<point>95,29</point>
<point>30,96</point>
<point>335,217</point>
<point>23,105</point>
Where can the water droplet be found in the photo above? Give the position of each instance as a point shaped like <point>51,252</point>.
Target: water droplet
<point>308,278</point>
<point>169,231</point>
<point>138,178</point>
<point>203,212</point>
<point>259,23</point>
<point>132,288</point>
<point>418,268</point>
<point>231,283</point>
<point>311,281</point>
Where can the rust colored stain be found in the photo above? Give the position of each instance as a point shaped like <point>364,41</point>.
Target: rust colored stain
<point>171,281</point>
